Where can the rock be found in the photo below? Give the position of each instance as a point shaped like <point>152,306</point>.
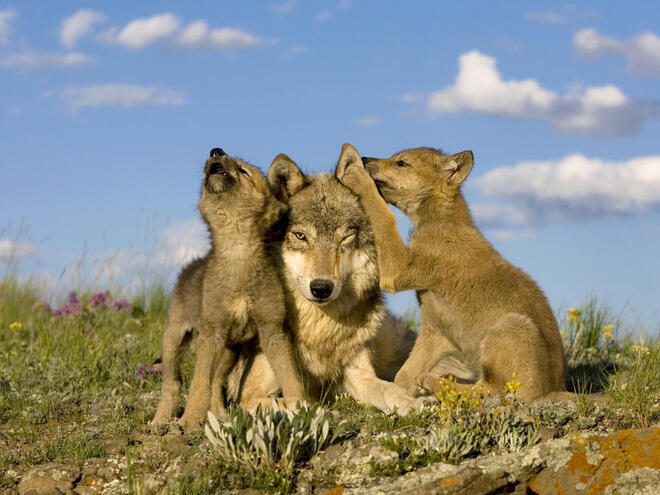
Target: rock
<point>97,474</point>
<point>626,462</point>
<point>597,461</point>
<point>48,479</point>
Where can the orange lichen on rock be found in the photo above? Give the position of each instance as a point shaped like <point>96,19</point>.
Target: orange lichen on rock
<point>598,460</point>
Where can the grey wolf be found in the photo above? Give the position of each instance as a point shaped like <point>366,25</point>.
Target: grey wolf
<point>231,296</point>
<point>472,300</point>
<point>344,340</point>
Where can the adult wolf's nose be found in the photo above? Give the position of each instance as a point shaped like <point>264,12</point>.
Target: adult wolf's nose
<point>321,288</point>
<point>217,152</point>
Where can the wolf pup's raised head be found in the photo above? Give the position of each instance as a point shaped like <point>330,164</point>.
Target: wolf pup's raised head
<point>235,191</point>
<point>413,174</point>
<point>328,250</point>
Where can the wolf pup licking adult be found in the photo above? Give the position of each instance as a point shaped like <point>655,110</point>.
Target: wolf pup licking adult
<point>471,299</point>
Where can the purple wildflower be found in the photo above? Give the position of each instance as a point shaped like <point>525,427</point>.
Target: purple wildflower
<point>144,370</point>
<point>122,304</point>
<point>99,299</point>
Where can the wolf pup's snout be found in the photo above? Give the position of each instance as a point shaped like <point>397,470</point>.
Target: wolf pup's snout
<point>215,152</point>
<point>367,159</point>
<point>321,288</point>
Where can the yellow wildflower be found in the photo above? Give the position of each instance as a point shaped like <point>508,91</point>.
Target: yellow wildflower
<point>512,385</point>
<point>573,314</point>
<point>639,350</point>
<point>16,324</point>
<point>607,332</point>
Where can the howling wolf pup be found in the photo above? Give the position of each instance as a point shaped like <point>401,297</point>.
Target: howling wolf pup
<point>231,295</point>
<point>344,340</point>
<point>471,299</point>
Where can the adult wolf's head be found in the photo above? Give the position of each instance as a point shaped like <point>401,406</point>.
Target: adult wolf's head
<point>410,176</point>
<point>234,191</point>
<point>329,249</point>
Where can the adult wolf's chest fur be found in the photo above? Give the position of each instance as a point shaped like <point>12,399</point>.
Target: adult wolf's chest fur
<point>324,344</point>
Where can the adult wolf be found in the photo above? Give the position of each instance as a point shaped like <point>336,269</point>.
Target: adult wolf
<point>344,340</point>
<point>470,297</point>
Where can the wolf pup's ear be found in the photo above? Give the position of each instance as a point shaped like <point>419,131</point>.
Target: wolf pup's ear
<point>349,156</point>
<point>273,211</point>
<point>285,178</point>
<point>458,166</point>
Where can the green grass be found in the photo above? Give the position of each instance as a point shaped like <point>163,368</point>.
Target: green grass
<point>68,388</point>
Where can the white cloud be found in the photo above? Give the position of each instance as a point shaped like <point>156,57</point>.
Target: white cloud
<point>595,111</point>
<point>642,52</point>
<point>575,186</point>
<point>367,121</point>
<point>142,32</point>
<point>480,88</point>
<point>285,7</point>
<point>495,215</point>
<point>79,25</point>
<point>174,247</point>
<point>120,95</point>
<point>168,28</point>
<point>197,35</point>
<point>182,242</point>
<point>6,18</point>
<point>14,250</point>
<point>545,17</point>
<point>345,4</point>
<point>324,15</point>
<point>44,60</point>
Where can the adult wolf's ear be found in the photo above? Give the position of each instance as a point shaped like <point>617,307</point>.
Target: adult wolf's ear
<point>285,178</point>
<point>458,167</point>
<point>349,156</point>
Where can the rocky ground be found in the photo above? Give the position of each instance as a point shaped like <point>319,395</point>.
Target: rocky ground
<point>621,462</point>
<point>77,391</point>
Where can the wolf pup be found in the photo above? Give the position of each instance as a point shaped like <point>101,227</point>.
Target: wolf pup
<point>231,295</point>
<point>471,299</point>
<point>334,304</point>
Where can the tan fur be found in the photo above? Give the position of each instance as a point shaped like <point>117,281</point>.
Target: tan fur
<point>232,295</point>
<point>336,339</point>
<point>471,299</point>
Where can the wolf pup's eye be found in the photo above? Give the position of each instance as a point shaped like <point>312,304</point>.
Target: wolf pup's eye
<point>300,236</point>
<point>243,171</point>
<point>401,163</point>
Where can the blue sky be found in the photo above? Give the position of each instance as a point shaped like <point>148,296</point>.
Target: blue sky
<point>109,110</point>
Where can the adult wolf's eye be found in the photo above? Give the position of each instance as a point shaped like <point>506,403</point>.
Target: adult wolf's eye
<point>349,238</point>
<point>243,171</point>
<point>300,236</point>
<point>401,163</point>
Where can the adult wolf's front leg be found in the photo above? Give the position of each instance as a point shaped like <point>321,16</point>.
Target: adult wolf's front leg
<point>361,382</point>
